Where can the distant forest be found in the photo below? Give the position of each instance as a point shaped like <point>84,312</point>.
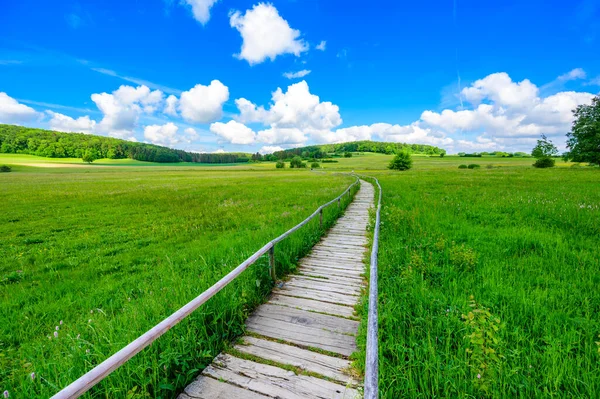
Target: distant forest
<point>324,150</point>
<point>47,143</point>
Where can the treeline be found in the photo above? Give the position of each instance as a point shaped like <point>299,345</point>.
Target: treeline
<point>325,150</point>
<point>51,144</point>
<point>499,154</point>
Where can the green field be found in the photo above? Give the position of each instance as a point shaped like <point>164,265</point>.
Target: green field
<point>525,244</point>
<point>111,251</point>
<point>105,256</point>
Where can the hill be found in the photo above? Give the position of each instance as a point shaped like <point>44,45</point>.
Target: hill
<point>51,144</point>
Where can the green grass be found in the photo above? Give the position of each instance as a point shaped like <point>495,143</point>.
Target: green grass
<point>111,253</point>
<point>525,244</point>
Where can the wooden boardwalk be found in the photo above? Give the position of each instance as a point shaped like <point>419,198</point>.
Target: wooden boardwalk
<point>299,342</point>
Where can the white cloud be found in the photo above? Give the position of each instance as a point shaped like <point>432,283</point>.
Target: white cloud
<point>165,135</point>
<point>203,104</point>
<point>191,134</point>
<point>219,151</point>
<point>233,132</point>
<point>123,107</point>
<point>296,75</point>
<point>64,123</point>
<point>265,34</point>
<point>593,82</point>
<point>282,135</point>
<point>200,9</point>
<point>296,108</point>
<point>574,74</point>
<point>268,149</point>
<point>321,46</point>
<point>171,105</point>
<point>11,111</point>
<point>499,88</point>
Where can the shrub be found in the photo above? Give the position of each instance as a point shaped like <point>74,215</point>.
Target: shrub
<point>329,161</point>
<point>462,166</point>
<point>484,351</point>
<point>474,166</point>
<point>296,162</point>
<point>280,165</point>
<point>348,155</point>
<point>5,168</point>
<point>315,165</point>
<point>402,161</point>
<point>463,257</point>
<point>544,163</point>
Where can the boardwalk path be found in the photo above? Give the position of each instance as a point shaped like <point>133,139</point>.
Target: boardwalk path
<point>308,326</point>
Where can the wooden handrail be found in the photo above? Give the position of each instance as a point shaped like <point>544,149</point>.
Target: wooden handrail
<point>372,356</point>
<point>101,371</point>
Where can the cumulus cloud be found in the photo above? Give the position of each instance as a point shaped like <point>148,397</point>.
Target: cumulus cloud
<point>165,135</point>
<point>296,75</point>
<point>200,9</point>
<point>321,46</point>
<point>64,123</point>
<point>122,108</point>
<point>574,74</point>
<point>11,111</point>
<point>269,149</point>
<point>265,34</point>
<point>171,105</point>
<point>203,104</point>
<point>499,88</point>
<point>233,132</point>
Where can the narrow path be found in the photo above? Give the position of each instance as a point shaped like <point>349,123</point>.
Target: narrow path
<point>298,344</point>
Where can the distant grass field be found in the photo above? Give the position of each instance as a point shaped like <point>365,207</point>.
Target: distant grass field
<point>89,261</point>
<point>525,244</point>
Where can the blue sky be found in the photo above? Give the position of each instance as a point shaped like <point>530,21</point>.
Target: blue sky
<point>206,76</point>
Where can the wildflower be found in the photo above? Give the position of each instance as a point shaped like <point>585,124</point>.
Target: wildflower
<point>87,351</point>
<point>55,334</point>
<point>92,311</point>
<point>60,323</point>
<point>6,395</point>
<point>32,375</point>
<point>479,376</point>
<point>90,320</point>
<point>56,328</point>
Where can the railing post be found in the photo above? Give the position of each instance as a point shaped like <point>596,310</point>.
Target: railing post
<point>272,263</point>
<point>339,206</point>
<point>321,218</point>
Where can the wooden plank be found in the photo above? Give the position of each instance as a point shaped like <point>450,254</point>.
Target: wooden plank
<point>312,305</point>
<point>354,283</point>
<point>208,388</point>
<point>275,382</point>
<point>356,266</point>
<point>332,341</point>
<point>324,285</point>
<point>333,272</point>
<point>328,366</point>
<point>304,318</point>
<point>319,274</point>
<point>330,297</point>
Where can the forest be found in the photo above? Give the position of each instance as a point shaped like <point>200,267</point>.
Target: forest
<point>51,144</point>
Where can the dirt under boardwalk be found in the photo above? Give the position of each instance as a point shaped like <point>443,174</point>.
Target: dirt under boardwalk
<point>300,341</point>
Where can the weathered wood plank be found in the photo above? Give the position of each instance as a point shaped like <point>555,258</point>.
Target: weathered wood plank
<point>353,283</point>
<point>314,362</point>
<point>275,382</point>
<point>323,285</point>
<point>333,272</point>
<point>319,274</point>
<point>318,295</point>
<point>304,318</point>
<point>312,305</point>
<point>331,341</point>
<point>208,388</point>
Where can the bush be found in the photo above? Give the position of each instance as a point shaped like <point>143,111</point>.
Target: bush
<point>348,155</point>
<point>296,162</point>
<point>544,163</point>
<point>474,166</point>
<point>280,165</point>
<point>329,161</point>
<point>402,161</point>
<point>462,166</point>
<point>5,168</point>
<point>315,165</point>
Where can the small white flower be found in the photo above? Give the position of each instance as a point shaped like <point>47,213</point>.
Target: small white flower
<point>90,320</point>
<point>60,323</point>
<point>55,334</point>
<point>32,375</point>
<point>56,328</point>
<point>87,351</point>
<point>479,376</point>
<point>6,395</point>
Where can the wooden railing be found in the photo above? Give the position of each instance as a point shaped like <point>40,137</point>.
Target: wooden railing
<point>101,371</point>
<point>372,356</point>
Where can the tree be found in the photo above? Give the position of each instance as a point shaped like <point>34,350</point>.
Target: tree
<point>348,155</point>
<point>315,165</point>
<point>583,140</point>
<point>280,165</point>
<point>90,155</point>
<point>402,161</point>
<point>543,152</point>
<point>296,162</point>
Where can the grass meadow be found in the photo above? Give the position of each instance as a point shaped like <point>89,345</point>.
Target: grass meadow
<point>90,258</point>
<point>488,282</point>
<point>488,278</point>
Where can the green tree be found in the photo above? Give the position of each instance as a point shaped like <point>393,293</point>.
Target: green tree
<point>583,141</point>
<point>315,165</point>
<point>296,162</point>
<point>543,152</point>
<point>90,155</point>
<point>402,161</point>
<point>348,155</point>
<point>280,165</point>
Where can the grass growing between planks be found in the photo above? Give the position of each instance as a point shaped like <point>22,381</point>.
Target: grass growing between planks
<point>488,283</point>
<point>89,261</point>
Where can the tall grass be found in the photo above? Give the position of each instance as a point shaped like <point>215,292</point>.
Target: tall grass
<point>89,261</point>
<point>489,283</point>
